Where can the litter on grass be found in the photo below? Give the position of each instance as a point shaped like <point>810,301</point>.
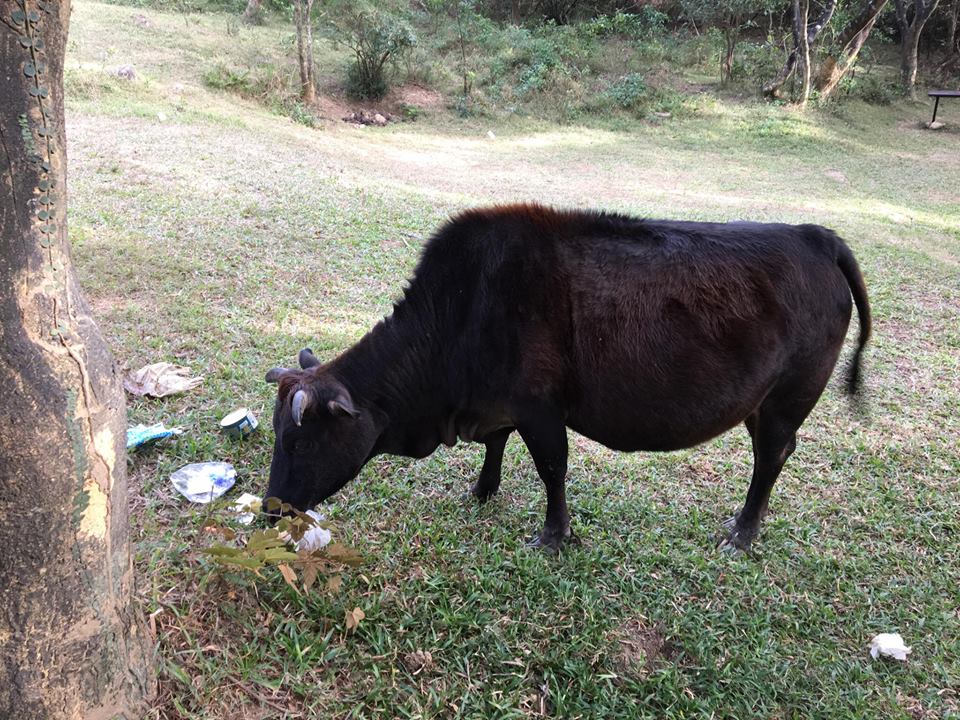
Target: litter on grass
<point>890,645</point>
<point>316,537</point>
<point>140,435</point>
<point>204,482</point>
<point>159,380</point>
<point>247,506</point>
<point>239,423</point>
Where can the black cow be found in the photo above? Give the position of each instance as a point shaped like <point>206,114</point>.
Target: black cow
<point>639,334</point>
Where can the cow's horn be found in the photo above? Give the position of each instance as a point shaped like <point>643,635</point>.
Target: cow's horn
<point>300,403</point>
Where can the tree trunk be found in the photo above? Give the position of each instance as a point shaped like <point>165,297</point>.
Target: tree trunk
<point>731,37</point>
<point>910,32</point>
<point>909,44</point>
<point>952,16</point>
<point>801,10</point>
<point>301,15</point>
<point>773,88</point>
<point>72,644</point>
<point>252,13</point>
<point>849,44</point>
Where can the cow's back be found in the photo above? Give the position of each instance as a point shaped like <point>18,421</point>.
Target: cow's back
<point>646,334</point>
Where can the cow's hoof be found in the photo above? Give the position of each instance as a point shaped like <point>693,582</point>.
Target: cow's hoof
<point>480,494</point>
<point>735,538</point>
<point>552,541</point>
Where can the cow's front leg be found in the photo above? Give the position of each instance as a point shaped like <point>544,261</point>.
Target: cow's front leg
<point>546,437</point>
<point>488,483</point>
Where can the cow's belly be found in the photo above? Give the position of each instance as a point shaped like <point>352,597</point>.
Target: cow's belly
<point>647,411</point>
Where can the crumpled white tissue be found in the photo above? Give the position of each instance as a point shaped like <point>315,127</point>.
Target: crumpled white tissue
<point>315,537</point>
<point>889,644</point>
<point>242,506</point>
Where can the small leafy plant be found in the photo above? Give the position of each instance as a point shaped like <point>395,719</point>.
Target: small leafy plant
<point>277,547</point>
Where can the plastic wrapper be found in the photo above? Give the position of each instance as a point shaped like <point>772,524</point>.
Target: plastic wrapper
<point>204,482</point>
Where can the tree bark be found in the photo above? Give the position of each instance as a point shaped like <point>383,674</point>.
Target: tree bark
<point>910,31</point>
<point>253,10</point>
<point>302,10</point>
<point>849,44</point>
<point>72,643</point>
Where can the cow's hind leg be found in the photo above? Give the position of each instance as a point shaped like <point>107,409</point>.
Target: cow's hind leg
<point>545,436</point>
<point>774,435</point>
<point>488,483</point>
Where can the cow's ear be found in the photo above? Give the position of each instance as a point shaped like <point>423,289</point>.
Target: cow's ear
<point>274,374</point>
<point>342,406</point>
<point>307,359</point>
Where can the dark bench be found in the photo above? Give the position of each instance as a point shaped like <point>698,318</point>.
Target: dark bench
<point>939,94</point>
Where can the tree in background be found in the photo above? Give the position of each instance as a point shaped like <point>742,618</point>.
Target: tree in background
<point>951,41</point>
<point>253,13</point>
<point>377,34</point>
<point>303,18</point>
<point>72,644</point>
<point>805,34</point>
<point>912,16</point>
<point>730,18</point>
<point>843,52</point>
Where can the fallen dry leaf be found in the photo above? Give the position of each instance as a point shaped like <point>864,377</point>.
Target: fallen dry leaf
<point>353,617</point>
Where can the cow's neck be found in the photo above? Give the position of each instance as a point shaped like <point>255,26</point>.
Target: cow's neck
<point>396,372</point>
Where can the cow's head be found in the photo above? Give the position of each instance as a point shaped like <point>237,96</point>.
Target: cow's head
<point>322,437</point>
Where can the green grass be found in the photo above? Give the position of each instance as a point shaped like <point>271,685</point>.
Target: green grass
<point>225,237</point>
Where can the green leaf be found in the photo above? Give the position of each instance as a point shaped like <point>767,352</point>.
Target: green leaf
<point>29,69</point>
<point>272,504</point>
<point>25,41</point>
<point>278,554</point>
<point>263,539</point>
<point>17,17</point>
<point>39,44</point>
<point>44,185</point>
<point>44,200</point>
<point>222,551</point>
<point>178,672</point>
<point>43,214</point>
<point>33,16</point>
<point>247,562</point>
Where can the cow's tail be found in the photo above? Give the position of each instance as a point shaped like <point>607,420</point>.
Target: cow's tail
<point>851,271</point>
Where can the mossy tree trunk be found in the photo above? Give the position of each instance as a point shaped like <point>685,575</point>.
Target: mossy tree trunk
<point>302,15</point>
<point>72,645</point>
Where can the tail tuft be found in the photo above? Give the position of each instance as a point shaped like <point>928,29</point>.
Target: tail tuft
<point>851,271</point>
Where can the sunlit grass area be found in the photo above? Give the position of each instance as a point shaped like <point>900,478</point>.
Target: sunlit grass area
<point>214,232</point>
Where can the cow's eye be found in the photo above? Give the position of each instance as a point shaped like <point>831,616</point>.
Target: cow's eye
<point>304,446</point>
